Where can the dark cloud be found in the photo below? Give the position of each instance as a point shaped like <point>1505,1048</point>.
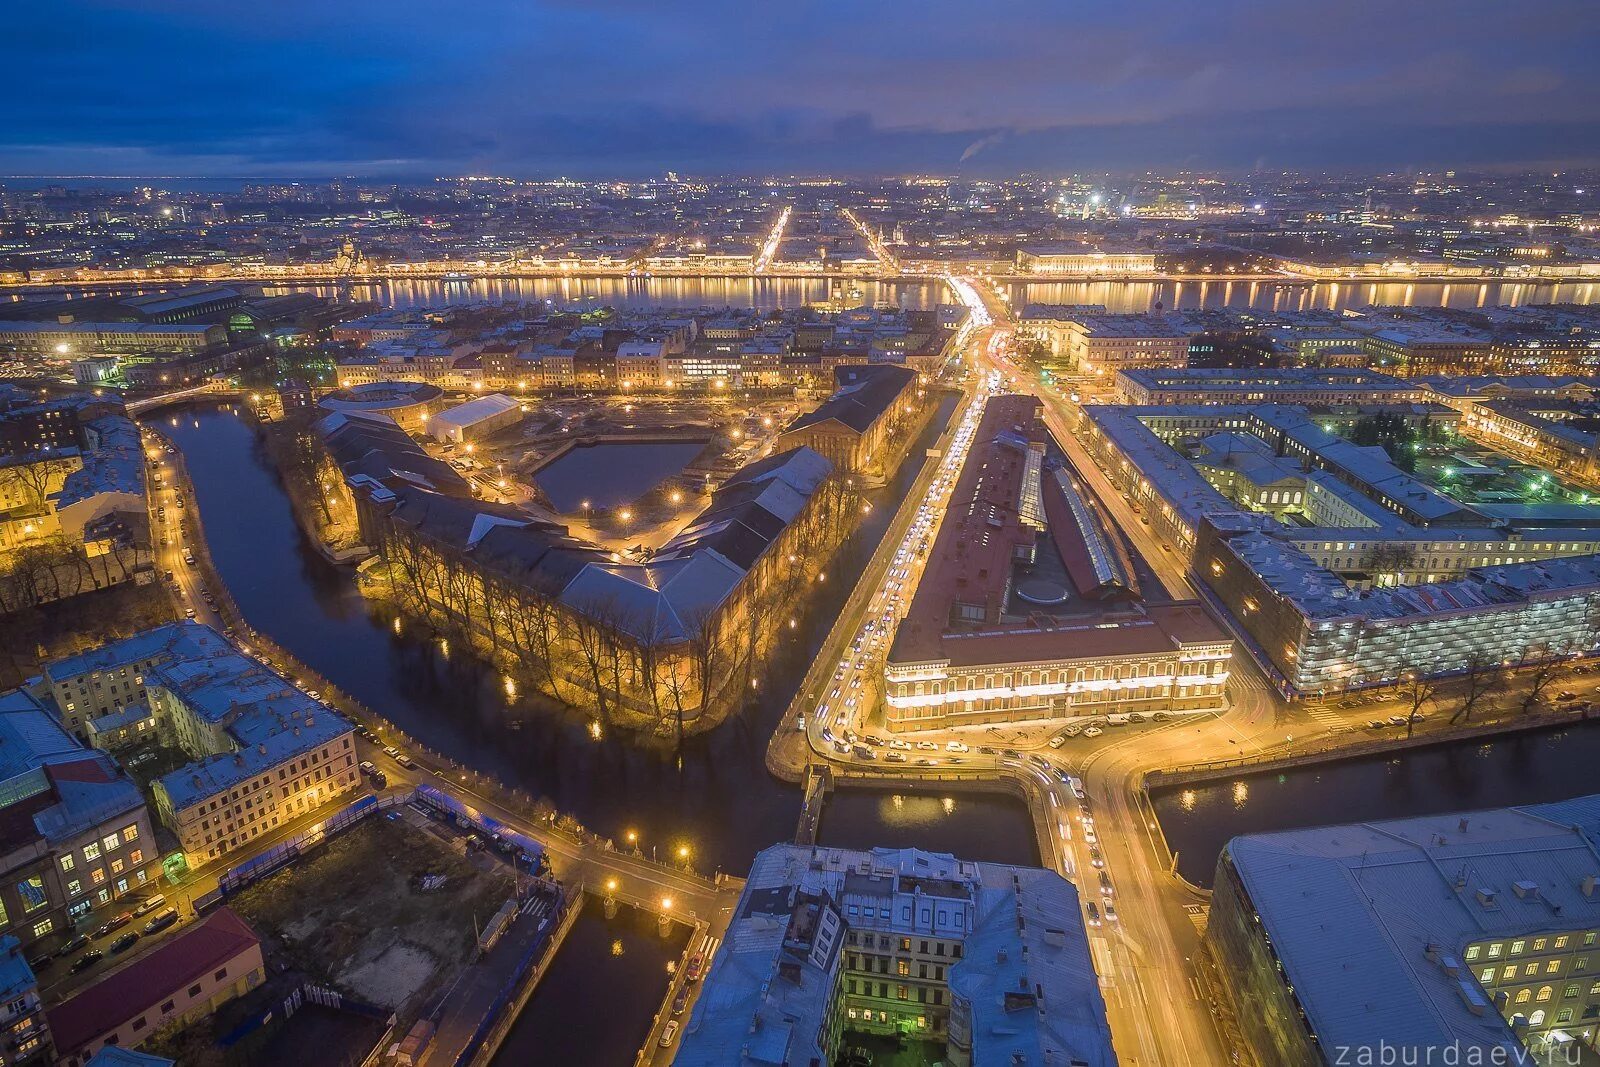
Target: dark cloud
<point>620,86</point>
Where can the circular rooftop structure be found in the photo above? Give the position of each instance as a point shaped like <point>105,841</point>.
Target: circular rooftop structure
<point>1042,591</point>
<point>408,403</point>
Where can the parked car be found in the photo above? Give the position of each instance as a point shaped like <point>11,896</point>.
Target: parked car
<point>73,945</point>
<point>124,943</point>
<point>42,962</point>
<point>113,924</point>
<point>680,1002</point>
<point>161,921</point>
<point>1105,884</point>
<point>692,971</point>
<point>895,757</point>
<point>1094,914</point>
<point>669,1032</point>
<point>149,904</point>
<point>85,961</point>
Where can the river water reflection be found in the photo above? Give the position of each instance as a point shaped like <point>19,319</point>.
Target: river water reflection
<point>595,1004</point>
<point>1527,768</point>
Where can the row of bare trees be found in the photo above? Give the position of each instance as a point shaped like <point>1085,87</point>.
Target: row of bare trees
<point>54,568</point>
<point>618,659</point>
<point>309,473</point>
<point>1487,675</point>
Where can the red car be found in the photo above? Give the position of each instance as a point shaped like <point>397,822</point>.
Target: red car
<point>696,962</point>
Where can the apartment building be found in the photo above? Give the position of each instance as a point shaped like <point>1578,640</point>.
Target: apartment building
<point>78,831</point>
<point>263,751</point>
<point>25,1037</point>
<point>186,979</point>
<point>991,960</point>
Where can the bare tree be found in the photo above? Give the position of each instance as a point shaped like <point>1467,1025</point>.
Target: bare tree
<point>1481,677</point>
<point>1391,558</point>
<point>1417,689</point>
<point>1538,667</point>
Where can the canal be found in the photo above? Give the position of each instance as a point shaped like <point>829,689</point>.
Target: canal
<point>1524,768</point>
<point>715,798</point>
<point>595,1003</point>
<point>988,827</point>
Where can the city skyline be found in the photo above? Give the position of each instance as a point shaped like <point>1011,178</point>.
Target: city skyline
<point>625,89</point>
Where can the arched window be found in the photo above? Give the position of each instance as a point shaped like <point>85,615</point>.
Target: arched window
<point>1524,995</point>
<point>1545,993</point>
<point>1537,1018</point>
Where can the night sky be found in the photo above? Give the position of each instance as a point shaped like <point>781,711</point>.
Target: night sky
<point>633,87</point>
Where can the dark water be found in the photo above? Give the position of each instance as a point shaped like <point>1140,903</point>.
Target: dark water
<point>717,798</point>
<point>595,1003</point>
<point>611,473</point>
<point>991,828</point>
<point>1528,768</point>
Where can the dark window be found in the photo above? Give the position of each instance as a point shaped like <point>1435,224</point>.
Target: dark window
<point>194,991</point>
<point>220,975</point>
<point>167,1007</point>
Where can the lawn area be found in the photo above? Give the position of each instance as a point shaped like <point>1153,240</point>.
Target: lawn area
<point>354,915</point>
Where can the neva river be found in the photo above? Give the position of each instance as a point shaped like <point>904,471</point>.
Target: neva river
<point>1116,296</point>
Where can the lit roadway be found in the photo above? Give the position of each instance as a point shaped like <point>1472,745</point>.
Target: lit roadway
<point>887,262</point>
<point>1144,955</point>
<point>774,241</point>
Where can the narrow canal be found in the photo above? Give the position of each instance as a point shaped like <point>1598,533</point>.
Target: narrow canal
<point>595,1003</point>
<point>988,827</point>
<point>717,799</point>
<point>1525,768</point>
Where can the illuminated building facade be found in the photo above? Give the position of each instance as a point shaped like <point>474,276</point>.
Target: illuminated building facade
<point>989,638</point>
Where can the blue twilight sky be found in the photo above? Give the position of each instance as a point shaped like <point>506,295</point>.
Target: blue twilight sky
<point>624,87</point>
